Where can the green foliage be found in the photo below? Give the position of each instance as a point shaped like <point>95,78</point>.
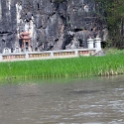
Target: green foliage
<point>112,64</point>
<point>112,12</point>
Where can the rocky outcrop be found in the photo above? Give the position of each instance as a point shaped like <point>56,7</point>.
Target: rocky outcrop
<point>52,24</point>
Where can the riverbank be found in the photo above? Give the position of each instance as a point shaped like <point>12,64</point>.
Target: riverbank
<point>111,64</point>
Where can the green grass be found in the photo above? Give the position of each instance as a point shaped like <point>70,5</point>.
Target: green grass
<point>112,64</point>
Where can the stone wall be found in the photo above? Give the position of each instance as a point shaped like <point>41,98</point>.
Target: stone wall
<point>53,24</point>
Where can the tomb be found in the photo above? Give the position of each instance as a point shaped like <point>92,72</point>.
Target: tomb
<point>17,50</point>
<point>6,50</point>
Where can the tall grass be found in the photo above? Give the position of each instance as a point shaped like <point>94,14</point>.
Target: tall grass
<point>71,67</point>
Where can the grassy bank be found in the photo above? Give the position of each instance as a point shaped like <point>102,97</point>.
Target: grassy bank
<point>112,64</point>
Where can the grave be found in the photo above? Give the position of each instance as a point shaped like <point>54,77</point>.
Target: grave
<point>6,50</point>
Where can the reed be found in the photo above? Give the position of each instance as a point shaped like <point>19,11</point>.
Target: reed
<point>112,64</point>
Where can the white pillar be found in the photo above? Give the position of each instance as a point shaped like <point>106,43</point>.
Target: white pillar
<point>1,57</point>
<point>98,44</point>
<point>26,55</point>
<point>76,52</point>
<point>90,43</point>
<point>51,54</point>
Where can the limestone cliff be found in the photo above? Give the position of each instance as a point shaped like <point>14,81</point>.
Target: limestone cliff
<point>53,24</point>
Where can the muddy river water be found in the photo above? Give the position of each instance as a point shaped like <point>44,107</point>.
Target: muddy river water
<point>68,101</point>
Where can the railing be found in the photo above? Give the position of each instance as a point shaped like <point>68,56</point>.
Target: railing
<point>47,54</point>
<point>94,45</point>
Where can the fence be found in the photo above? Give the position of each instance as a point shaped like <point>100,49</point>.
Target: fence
<point>94,45</point>
<point>47,54</point>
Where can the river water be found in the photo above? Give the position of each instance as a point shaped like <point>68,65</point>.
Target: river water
<point>74,101</point>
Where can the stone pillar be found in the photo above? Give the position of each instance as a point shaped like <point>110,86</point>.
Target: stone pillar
<point>1,58</point>
<point>51,54</point>
<point>98,44</point>
<point>76,52</point>
<point>90,43</point>
<point>26,55</point>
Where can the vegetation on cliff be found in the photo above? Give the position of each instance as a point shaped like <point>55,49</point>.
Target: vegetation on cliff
<point>112,12</point>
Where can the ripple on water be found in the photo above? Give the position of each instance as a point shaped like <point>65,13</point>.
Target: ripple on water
<point>91,102</point>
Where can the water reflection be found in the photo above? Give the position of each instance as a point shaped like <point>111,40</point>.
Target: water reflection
<point>75,101</point>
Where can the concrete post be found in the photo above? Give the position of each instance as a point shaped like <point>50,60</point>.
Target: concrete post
<point>26,55</point>
<point>1,58</point>
<point>51,54</point>
<point>90,43</point>
<point>98,44</point>
<point>76,52</point>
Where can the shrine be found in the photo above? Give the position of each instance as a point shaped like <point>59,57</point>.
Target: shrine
<point>26,39</point>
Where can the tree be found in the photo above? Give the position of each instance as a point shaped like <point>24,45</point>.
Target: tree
<point>112,12</point>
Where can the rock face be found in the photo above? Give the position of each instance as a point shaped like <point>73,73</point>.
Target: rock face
<point>52,24</point>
